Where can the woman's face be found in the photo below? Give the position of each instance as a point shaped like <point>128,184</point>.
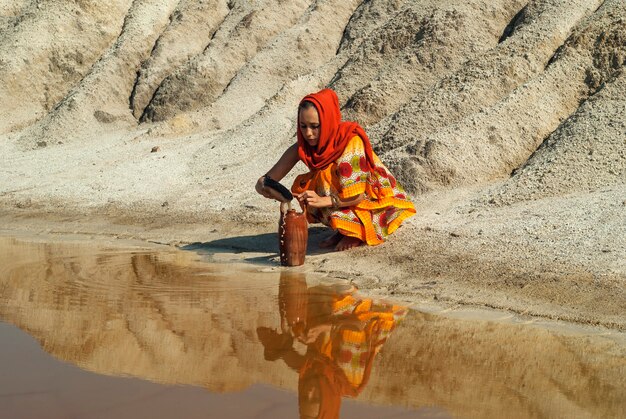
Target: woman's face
<point>310,125</point>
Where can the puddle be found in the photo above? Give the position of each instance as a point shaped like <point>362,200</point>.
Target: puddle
<point>95,330</point>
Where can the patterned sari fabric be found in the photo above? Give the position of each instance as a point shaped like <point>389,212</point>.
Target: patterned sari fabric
<point>385,206</point>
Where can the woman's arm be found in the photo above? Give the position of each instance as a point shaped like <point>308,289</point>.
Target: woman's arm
<point>286,162</point>
<point>349,202</point>
<point>313,199</point>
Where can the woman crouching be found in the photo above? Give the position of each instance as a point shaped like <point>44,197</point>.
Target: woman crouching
<point>348,188</point>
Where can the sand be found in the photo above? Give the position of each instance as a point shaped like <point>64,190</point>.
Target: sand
<point>504,119</point>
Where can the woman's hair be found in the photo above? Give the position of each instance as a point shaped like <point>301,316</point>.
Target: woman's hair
<point>307,104</point>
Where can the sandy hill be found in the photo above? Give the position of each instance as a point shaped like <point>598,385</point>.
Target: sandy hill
<point>504,118</point>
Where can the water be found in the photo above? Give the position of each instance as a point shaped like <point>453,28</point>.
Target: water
<point>96,330</point>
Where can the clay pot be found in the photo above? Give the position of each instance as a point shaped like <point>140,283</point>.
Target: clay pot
<point>293,233</point>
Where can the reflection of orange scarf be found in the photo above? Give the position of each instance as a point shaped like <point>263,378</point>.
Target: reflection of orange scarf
<point>334,134</point>
<point>332,384</point>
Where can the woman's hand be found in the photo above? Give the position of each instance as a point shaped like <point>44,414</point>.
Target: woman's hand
<point>314,200</point>
<point>313,333</point>
<point>261,189</point>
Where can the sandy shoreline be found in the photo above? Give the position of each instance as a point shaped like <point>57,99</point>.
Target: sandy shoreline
<point>450,254</point>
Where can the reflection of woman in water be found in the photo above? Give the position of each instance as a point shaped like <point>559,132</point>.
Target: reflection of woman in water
<point>342,333</point>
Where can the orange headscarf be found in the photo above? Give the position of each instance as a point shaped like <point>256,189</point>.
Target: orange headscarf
<point>332,385</point>
<point>334,134</point>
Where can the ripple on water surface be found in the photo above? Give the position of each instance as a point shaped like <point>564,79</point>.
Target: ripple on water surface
<point>257,344</point>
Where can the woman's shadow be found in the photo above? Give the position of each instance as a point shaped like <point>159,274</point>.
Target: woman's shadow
<point>266,243</point>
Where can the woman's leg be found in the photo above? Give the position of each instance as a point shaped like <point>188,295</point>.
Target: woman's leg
<point>332,240</point>
<point>340,242</point>
<point>347,242</point>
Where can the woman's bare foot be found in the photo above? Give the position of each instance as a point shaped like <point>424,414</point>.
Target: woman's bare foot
<point>331,241</point>
<point>347,242</point>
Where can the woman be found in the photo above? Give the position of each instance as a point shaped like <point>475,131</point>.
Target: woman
<point>347,188</point>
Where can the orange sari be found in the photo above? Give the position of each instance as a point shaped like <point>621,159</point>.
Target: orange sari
<point>343,163</point>
<point>386,204</point>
